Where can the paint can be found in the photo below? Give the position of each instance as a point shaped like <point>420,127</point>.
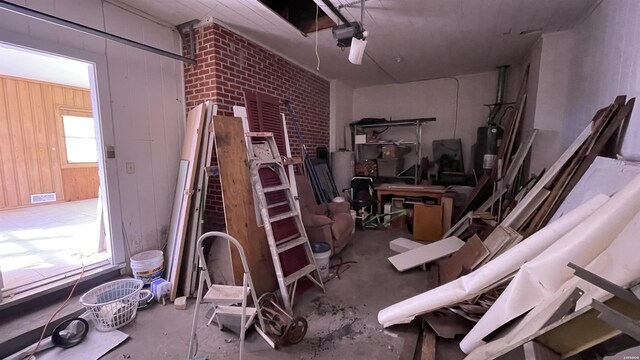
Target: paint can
<point>148,265</point>
<point>321,253</point>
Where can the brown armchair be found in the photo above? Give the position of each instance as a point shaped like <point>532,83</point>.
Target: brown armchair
<point>331,223</point>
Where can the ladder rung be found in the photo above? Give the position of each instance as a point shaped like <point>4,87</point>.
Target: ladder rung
<point>291,244</point>
<point>286,215</point>
<point>289,279</point>
<point>275,188</point>
<point>259,134</point>
<point>234,310</point>
<point>263,162</point>
<point>277,204</point>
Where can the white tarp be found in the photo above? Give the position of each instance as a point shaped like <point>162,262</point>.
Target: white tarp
<point>618,264</point>
<point>543,276</point>
<point>504,265</point>
<point>604,176</point>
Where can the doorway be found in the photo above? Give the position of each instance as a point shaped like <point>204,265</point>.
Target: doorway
<point>52,213</point>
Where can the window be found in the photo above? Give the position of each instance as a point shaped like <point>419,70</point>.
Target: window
<point>78,138</point>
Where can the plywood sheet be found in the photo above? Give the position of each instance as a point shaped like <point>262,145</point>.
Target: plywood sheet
<point>427,222</point>
<point>231,151</point>
<point>426,253</point>
<point>464,260</point>
<point>447,213</point>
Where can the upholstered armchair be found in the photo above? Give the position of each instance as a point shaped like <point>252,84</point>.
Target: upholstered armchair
<point>331,223</point>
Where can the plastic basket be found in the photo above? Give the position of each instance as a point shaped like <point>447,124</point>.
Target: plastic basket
<point>113,304</point>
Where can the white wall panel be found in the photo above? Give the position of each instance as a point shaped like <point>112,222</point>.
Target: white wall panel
<point>141,104</point>
<point>340,113</point>
<point>436,98</point>
<point>604,63</point>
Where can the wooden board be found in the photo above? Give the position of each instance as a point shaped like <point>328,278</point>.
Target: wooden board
<point>599,123</point>
<point>426,253</point>
<point>548,176</point>
<point>529,209</point>
<point>447,213</point>
<point>175,215</point>
<point>607,134</point>
<point>190,148</point>
<point>427,222</point>
<point>231,151</point>
<point>401,245</point>
<point>466,258</point>
<point>194,228</point>
<point>428,348</point>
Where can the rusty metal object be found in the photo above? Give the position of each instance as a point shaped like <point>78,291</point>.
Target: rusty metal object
<point>279,325</point>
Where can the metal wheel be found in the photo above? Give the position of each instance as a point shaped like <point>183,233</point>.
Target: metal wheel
<point>296,330</point>
<point>266,298</point>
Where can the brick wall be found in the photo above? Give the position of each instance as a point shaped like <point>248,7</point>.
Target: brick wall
<point>227,65</point>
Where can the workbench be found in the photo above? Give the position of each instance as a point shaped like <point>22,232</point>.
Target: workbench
<point>432,191</point>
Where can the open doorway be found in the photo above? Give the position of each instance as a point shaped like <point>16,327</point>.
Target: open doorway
<point>51,208</point>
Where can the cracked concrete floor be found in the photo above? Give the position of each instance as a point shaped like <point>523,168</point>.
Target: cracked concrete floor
<point>342,323</point>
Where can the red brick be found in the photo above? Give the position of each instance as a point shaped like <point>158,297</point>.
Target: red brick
<point>228,64</point>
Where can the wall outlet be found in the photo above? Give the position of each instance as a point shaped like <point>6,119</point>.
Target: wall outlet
<point>131,168</point>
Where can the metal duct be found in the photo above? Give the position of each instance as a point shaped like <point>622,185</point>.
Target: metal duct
<point>502,80</point>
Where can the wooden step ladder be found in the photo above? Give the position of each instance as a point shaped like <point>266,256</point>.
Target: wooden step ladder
<point>263,154</point>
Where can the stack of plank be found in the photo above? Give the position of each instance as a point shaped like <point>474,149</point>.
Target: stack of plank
<point>187,214</point>
<point>537,206</point>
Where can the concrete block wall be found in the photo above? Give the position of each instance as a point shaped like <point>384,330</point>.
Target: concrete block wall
<point>229,64</point>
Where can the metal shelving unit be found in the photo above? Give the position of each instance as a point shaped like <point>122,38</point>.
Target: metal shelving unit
<point>417,123</point>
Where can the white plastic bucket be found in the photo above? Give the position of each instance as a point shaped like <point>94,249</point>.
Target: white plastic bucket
<point>147,266</point>
<point>322,253</point>
<point>354,215</point>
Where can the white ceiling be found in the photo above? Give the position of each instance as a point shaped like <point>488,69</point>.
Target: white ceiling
<point>409,39</point>
<point>40,66</point>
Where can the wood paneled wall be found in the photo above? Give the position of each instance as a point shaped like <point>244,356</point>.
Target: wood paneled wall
<point>30,160</point>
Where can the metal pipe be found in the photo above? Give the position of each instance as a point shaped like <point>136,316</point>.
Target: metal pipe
<point>502,79</point>
<point>335,11</point>
<point>88,30</point>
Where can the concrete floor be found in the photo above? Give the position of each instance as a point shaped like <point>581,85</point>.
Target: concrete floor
<point>342,322</point>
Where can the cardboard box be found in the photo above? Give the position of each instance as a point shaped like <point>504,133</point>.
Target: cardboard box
<point>391,151</point>
<point>427,222</point>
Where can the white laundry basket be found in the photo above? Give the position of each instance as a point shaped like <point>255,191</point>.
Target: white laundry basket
<point>113,304</point>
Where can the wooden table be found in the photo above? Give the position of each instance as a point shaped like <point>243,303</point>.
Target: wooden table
<point>432,191</point>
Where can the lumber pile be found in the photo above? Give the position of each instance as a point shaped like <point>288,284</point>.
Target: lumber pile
<point>537,205</point>
<point>525,216</point>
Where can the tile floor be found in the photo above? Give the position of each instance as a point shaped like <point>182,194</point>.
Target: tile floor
<point>47,240</point>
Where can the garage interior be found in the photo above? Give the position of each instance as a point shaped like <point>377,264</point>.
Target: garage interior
<point>319,179</point>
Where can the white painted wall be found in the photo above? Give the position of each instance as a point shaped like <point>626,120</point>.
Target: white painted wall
<point>584,69</point>
<point>446,99</point>
<point>140,104</point>
<point>341,99</point>
<point>550,62</point>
